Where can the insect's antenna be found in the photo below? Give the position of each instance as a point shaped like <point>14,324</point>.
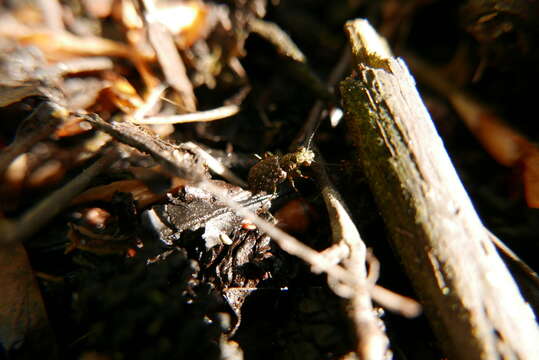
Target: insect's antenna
<point>306,143</point>
<point>309,139</point>
<point>314,119</point>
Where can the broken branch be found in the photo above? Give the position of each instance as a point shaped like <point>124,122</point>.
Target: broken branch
<point>471,299</point>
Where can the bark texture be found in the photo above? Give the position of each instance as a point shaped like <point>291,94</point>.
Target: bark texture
<point>470,297</point>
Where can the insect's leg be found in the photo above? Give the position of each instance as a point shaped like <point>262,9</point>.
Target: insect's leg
<point>291,180</point>
<point>297,173</point>
<point>303,176</point>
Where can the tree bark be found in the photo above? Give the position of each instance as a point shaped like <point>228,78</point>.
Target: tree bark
<point>472,301</point>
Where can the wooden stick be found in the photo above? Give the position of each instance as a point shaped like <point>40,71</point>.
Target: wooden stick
<point>372,342</point>
<point>472,301</point>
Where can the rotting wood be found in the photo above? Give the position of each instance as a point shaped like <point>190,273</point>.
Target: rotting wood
<point>469,296</point>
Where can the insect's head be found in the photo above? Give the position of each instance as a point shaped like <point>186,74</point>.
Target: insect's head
<point>304,156</point>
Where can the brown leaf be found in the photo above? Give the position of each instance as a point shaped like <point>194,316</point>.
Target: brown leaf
<point>172,64</point>
<point>122,93</point>
<point>506,145</point>
<point>503,143</point>
<point>195,209</point>
<point>141,193</point>
<point>57,45</point>
<point>530,177</point>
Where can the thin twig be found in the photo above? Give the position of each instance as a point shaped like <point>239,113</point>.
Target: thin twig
<point>336,252</point>
<point>150,102</point>
<point>372,341</point>
<point>215,165</point>
<point>280,39</point>
<point>388,299</point>
<point>286,242</point>
<point>296,63</point>
<point>199,116</point>
<point>396,303</point>
<point>314,119</point>
<point>171,157</point>
<point>77,65</point>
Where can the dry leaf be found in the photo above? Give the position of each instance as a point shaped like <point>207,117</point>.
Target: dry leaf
<point>172,64</point>
<point>84,239</point>
<point>530,177</point>
<point>141,193</point>
<point>506,145</point>
<point>503,143</point>
<point>123,94</point>
<point>195,209</point>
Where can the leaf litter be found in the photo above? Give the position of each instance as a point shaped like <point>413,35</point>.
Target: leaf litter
<point>144,254</point>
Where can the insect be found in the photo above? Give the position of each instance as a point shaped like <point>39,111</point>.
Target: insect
<point>273,170</point>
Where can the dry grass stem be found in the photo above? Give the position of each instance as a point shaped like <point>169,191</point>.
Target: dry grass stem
<point>199,116</point>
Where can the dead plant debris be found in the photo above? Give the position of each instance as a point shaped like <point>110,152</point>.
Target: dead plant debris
<point>138,221</point>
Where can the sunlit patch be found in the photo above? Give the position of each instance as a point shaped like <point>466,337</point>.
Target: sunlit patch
<point>179,17</point>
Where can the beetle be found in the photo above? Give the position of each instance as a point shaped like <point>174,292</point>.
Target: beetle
<point>273,170</point>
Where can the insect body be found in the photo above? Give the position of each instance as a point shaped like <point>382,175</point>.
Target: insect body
<point>271,171</point>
